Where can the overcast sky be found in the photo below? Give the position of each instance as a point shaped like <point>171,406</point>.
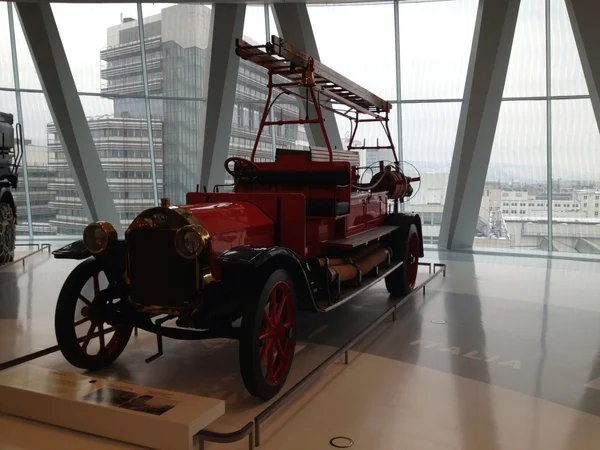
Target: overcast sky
<point>358,41</point>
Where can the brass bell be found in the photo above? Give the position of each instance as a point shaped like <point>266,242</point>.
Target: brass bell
<point>308,78</point>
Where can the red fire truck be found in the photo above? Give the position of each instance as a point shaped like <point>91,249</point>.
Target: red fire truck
<point>304,232</point>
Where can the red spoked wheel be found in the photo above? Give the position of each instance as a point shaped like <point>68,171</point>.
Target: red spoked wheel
<point>84,339</point>
<point>403,280</point>
<point>268,339</point>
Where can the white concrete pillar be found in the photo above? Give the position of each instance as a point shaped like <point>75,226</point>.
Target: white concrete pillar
<point>227,24</point>
<point>584,16</point>
<point>486,75</point>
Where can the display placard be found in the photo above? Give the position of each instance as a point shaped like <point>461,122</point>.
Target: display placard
<point>127,412</point>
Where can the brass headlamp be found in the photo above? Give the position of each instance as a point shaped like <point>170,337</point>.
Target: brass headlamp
<point>98,236</point>
<point>190,241</point>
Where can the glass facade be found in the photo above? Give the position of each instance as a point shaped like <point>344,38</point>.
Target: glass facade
<point>418,60</point>
<point>543,171</point>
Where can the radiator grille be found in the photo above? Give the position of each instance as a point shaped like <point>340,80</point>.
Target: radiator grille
<point>158,276</point>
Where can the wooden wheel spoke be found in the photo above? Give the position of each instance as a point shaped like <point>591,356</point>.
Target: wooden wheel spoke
<point>265,350</point>
<point>88,336</point>
<point>85,300</point>
<point>270,362</point>
<point>101,337</point>
<point>273,306</point>
<point>280,307</point>
<point>280,351</point>
<point>268,323</point>
<point>80,321</point>
<point>266,335</point>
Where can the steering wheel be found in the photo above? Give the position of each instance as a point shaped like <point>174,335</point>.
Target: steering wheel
<point>242,169</point>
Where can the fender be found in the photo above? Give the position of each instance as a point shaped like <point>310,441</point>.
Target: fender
<point>113,260</point>
<point>246,266</point>
<point>405,221</point>
<point>10,179</point>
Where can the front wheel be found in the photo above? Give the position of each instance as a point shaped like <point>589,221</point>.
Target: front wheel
<point>402,281</point>
<point>84,339</point>
<point>268,338</point>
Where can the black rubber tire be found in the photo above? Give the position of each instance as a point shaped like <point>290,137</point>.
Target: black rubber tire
<point>250,348</point>
<point>8,233</point>
<point>66,335</point>
<point>398,283</point>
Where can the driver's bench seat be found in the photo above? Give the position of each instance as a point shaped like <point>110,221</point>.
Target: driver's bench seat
<point>325,184</point>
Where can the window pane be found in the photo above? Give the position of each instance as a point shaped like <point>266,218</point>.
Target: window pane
<point>429,134</point>
<point>120,131</point>
<point>370,62</point>
<point>435,45</point>
<point>6,74</point>
<point>101,26</point>
<point>576,171</point>
<point>567,73</point>
<point>526,75</point>
<point>179,132</point>
<point>177,38</point>
<point>254,24</point>
<point>514,207</point>
<point>48,172</point>
<point>28,77</point>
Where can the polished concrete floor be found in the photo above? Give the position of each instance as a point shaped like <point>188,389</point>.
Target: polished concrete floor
<point>503,353</point>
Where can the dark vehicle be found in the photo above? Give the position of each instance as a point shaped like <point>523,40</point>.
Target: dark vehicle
<point>10,158</point>
<point>303,232</point>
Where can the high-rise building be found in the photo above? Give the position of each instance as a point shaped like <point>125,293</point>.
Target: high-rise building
<point>123,147</point>
<point>40,196</point>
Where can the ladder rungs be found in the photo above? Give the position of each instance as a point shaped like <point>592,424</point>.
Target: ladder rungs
<point>280,58</point>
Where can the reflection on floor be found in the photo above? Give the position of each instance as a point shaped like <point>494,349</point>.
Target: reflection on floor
<point>497,355</point>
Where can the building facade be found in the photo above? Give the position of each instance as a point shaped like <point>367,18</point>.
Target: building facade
<point>123,147</point>
<point>40,196</point>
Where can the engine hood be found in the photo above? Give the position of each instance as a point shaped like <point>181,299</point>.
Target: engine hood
<point>224,217</point>
<point>232,224</point>
<point>229,224</point>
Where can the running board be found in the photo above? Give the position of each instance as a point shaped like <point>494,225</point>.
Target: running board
<point>360,238</point>
<point>352,292</point>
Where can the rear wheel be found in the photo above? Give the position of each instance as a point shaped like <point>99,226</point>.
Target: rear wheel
<point>8,228</point>
<point>268,339</point>
<point>85,340</point>
<point>402,281</point>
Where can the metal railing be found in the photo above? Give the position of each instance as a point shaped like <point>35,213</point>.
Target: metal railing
<point>39,248</point>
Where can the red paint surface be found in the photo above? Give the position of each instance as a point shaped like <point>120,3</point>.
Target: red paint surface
<point>285,206</point>
<point>232,224</point>
<point>292,216</point>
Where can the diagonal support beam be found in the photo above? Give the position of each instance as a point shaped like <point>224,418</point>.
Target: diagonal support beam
<point>492,42</point>
<point>227,24</point>
<point>293,25</point>
<point>583,15</point>
<point>67,113</point>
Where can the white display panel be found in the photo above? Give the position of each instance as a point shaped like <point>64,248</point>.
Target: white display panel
<point>131,413</point>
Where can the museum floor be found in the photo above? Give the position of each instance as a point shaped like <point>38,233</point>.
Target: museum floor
<point>503,353</point>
